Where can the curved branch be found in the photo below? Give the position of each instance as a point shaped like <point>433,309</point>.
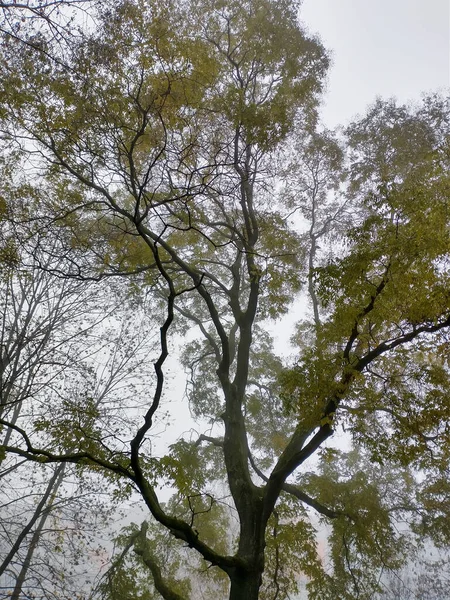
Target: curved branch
<point>296,452</point>
<point>141,548</point>
<point>183,531</point>
<point>364,312</point>
<point>206,438</point>
<point>294,490</point>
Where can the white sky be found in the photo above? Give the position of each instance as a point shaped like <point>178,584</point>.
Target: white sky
<point>380,48</point>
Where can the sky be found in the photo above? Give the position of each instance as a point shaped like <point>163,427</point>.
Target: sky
<point>381,48</point>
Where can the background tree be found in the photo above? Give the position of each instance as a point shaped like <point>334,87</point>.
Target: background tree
<point>56,353</point>
<point>25,21</point>
<point>150,155</point>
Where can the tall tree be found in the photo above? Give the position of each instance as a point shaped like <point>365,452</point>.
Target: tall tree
<point>151,156</point>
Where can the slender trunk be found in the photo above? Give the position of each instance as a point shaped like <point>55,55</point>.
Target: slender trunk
<point>16,594</point>
<point>52,486</point>
<point>13,420</point>
<point>311,290</point>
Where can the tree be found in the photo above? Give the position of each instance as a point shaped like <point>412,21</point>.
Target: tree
<point>22,20</point>
<point>151,156</point>
<point>54,344</point>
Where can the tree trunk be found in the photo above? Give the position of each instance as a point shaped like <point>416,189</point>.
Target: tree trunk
<point>53,486</point>
<point>245,585</point>
<point>37,513</point>
<point>246,581</point>
<point>17,592</point>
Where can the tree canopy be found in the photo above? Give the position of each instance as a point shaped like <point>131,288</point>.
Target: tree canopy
<point>170,156</point>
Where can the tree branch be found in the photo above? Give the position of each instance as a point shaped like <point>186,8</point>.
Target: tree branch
<point>299,494</point>
<point>141,548</point>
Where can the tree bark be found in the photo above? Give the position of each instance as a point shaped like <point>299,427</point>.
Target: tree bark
<point>245,585</point>
<point>246,578</point>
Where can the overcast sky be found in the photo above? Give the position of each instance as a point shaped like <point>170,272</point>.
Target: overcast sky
<point>380,47</point>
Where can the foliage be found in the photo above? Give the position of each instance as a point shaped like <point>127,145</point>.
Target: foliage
<point>172,158</point>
